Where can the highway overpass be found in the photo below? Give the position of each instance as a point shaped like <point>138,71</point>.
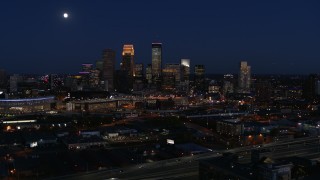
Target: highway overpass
<point>187,167</point>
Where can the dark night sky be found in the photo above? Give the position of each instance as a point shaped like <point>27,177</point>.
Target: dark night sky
<point>280,36</point>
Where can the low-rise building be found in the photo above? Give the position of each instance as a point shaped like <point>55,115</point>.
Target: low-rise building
<point>270,170</point>
<point>232,127</point>
<point>90,133</point>
<point>78,142</point>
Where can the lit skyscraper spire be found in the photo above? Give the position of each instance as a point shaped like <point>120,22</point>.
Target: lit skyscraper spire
<point>127,63</point>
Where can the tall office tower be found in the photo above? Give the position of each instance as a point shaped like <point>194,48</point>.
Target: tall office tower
<point>157,64</point>
<point>185,67</point>
<point>185,74</point>
<point>127,70</point>
<point>14,80</point>
<point>108,71</point>
<point>85,74</point>
<point>127,63</point>
<point>199,71</point>
<point>168,76</point>
<point>171,75</point>
<point>149,73</point>
<point>94,79</point>
<point>99,67</point>
<point>175,69</point>
<point>138,69</point>
<point>138,78</point>
<point>228,84</point>
<point>244,80</point>
<point>156,60</point>
<point>199,77</point>
<point>123,83</point>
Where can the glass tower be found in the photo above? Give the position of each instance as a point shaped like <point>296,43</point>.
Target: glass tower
<point>156,59</point>
<point>108,57</point>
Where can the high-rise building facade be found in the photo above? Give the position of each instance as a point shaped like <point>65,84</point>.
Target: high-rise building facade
<point>138,71</point>
<point>185,74</point>
<point>199,77</point>
<point>127,63</point>
<point>244,81</point>
<point>171,76</point>
<point>99,67</point>
<point>185,68</point>
<point>85,74</point>
<point>139,77</point>
<point>175,69</point>
<point>199,70</point>
<point>149,73</point>
<point>156,59</point>
<point>108,71</point>
<point>228,84</point>
<point>94,79</point>
<point>169,81</point>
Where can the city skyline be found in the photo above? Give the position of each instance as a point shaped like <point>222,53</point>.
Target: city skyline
<point>181,89</point>
<point>276,40</point>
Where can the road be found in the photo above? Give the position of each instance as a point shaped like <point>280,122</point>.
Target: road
<point>187,167</point>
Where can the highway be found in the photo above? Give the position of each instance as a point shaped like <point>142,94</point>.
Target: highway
<point>187,167</point>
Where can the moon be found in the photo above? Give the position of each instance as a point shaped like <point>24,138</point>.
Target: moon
<point>65,15</point>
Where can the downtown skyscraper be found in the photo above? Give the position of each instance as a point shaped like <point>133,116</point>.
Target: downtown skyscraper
<point>108,71</point>
<point>185,68</point>
<point>185,74</point>
<point>171,75</point>
<point>127,70</point>
<point>127,63</point>
<point>199,77</point>
<point>149,74</point>
<point>244,79</point>
<point>156,59</point>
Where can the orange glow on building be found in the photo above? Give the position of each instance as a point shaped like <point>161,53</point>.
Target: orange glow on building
<point>128,50</point>
<point>127,63</point>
